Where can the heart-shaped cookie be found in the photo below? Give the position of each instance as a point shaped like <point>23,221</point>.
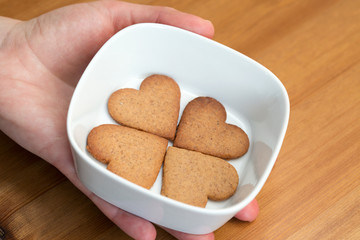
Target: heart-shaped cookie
<point>203,128</point>
<point>154,108</point>
<point>193,178</point>
<point>132,154</point>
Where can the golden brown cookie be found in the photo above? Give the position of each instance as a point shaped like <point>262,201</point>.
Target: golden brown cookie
<point>154,108</point>
<point>132,154</point>
<point>193,178</point>
<point>203,128</point>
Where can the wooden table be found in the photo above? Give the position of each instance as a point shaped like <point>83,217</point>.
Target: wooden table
<point>313,191</point>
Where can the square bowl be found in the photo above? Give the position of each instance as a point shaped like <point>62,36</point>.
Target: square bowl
<point>254,98</point>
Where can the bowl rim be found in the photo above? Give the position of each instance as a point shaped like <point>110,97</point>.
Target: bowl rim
<point>209,211</point>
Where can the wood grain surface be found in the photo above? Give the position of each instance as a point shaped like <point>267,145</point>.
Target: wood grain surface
<point>313,191</point>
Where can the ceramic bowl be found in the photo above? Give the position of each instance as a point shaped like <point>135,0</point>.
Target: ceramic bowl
<point>254,98</point>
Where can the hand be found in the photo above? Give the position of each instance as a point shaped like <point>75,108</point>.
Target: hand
<point>41,61</point>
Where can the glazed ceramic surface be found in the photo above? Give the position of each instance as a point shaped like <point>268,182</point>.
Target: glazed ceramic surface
<point>254,98</point>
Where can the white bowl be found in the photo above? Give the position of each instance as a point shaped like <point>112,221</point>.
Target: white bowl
<point>254,99</point>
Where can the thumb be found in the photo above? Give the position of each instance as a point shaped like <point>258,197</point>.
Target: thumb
<point>124,14</point>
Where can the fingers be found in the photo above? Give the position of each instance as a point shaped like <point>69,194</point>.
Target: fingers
<point>139,228</point>
<point>186,236</point>
<point>135,227</point>
<point>125,14</point>
<point>249,213</point>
